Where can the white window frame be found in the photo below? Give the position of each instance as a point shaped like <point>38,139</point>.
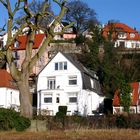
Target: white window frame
<point>74,96</point>
<point>51,83</point>
<point>60,65</point>
<point>48,96</point>
<point>72,80</point>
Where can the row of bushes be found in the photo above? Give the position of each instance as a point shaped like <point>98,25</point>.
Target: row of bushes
<point>93,122</point>
<point>10,119</point>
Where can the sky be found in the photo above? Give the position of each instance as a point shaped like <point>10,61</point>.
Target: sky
<point>125,11</point>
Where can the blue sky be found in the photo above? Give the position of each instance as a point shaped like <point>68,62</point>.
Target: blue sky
<point>125,11</point>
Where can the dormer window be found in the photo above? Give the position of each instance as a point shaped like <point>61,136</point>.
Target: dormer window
<point>16,44</point>
<point>132,35</point>
<point>121,35</point>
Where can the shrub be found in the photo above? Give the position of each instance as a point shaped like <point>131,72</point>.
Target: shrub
<point>121,121</point>
<point>61,114</point>
<point>10,119</point>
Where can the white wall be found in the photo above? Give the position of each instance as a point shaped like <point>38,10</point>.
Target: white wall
<point>9,97</point>
<point>87,101</point>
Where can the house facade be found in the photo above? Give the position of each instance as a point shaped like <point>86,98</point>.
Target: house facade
<point>69,33</point>
<point>9,94</point>
<point>124,36</point>
<point>65,82</point>
<point>19,50</point>
<point>135,97</point>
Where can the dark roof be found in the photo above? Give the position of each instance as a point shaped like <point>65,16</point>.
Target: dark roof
<point>86,73</point>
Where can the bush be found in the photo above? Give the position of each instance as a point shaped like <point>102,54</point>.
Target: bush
<point>10,119</point>
<point>61,114</point>
<point>121,121</point>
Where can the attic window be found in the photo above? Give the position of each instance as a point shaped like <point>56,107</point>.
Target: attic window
<point>132,35</point>
<point>61,66</point>
<point>16,44</point>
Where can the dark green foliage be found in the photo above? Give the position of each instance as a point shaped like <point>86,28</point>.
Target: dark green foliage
<point>80,39</point>
<point>10,119</point>
<point>121,121</point>
<point>61,114</point>
<point>135,124</point>
<point>125,96</point>
<point>63,109</point>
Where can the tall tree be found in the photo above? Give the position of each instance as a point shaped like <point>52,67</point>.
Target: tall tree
<point>125,95</point>
<point>81,14</point>
<point>21,77</point>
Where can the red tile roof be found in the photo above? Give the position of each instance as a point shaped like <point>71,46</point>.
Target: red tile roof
<point>120,27</point>
<point>135,95</point>
<point>6,80</point>
<point>22,41</point>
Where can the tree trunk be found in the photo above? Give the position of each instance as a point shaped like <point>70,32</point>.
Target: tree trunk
<point>25,99</point>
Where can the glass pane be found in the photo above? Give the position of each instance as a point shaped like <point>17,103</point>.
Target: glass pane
<point>73,99</point>
<point>72,82</point>
<point>48,100</point>
<point>56,66</point>
<point>60,66</point>
<point>65,65</point>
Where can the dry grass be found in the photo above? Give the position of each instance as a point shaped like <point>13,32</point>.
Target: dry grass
<point>94,134</point>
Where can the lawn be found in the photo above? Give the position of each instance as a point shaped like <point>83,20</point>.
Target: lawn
<point>81,134</point>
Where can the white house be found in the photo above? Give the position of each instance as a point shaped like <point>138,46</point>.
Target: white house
<point>124,36</point>
<point>65,82</point>
<point>9,94</point>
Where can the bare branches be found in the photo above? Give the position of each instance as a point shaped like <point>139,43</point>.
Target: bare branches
<point>3,28</point>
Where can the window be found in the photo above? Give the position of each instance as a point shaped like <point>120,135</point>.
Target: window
<point>72,80</point>
<point>92,83</point>
<point>16,44</point>
<point>121,35</point>
<point>122,44</point>
<point>51,83</point>
<point>47,98</point>
<point>61,66</point>
<point>132,35</point>
<point>72,97</point>
<point>57,98</point>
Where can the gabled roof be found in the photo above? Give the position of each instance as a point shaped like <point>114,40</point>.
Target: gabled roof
<point>135,95</point>
<point>86,73</point>
<point>22,41</point>
<point>120,27</point>
<point>6,80</point>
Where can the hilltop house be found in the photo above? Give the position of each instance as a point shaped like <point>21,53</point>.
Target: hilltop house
<point>66,82</point>
<point>9,94</point>
<point>124,36</point>
<point>135,95</point>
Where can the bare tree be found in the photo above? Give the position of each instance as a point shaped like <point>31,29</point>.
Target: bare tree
<point>22,76</point>
<point>83,16</point>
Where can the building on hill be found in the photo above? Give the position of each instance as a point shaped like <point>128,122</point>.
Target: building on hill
<point>9,94</point>
<point>123,35</point>
<point>66,82</point>
<point>135,105</point>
